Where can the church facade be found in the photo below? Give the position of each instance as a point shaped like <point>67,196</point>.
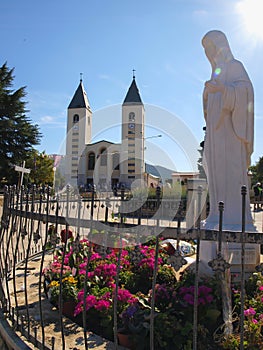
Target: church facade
<point>106,164</point>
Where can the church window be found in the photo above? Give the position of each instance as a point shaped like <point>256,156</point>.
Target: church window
<point>103,157</point>
<point>91,161</point>
<point>116,161</point>
<point>131,117</point>
<point>75,118</point>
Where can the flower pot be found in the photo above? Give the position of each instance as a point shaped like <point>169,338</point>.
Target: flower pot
<point>68,309</point>
<point>125,340</point>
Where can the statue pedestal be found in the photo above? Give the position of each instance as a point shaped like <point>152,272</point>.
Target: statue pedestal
<point>232,254</point>
<point>251,259</point>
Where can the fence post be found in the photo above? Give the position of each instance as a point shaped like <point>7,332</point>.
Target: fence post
<point>242,294</point>
<point>195,323</point>
<point>158,198</point>
<point>92,201</point>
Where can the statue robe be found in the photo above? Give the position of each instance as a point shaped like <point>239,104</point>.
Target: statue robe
<point>228,145</point>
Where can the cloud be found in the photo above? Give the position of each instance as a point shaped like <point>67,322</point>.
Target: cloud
<point>200,13</point>
<point>52,121</point>
<point>104,77</point>
<point>47,119</point>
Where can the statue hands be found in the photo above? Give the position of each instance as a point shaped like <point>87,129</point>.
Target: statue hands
<point>213,86</point>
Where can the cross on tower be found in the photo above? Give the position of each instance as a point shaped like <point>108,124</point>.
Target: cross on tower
<point>133,73</point>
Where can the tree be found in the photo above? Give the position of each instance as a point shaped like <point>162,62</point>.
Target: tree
<point>17,134</point>
<point>41,167</point>
<point>202,174</point>
<point>257,171</point>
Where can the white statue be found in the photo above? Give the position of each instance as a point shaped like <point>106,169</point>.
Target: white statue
<point>228,101</point>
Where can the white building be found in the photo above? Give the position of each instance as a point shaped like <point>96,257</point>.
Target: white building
<point>104,163</point>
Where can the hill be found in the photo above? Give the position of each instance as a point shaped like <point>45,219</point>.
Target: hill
<point>160,171</point>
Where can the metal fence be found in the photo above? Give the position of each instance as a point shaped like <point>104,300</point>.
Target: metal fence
<point>29,237</point>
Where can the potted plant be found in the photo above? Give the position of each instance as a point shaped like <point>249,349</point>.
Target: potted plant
<point>134,328</point>
<point>69,294</point>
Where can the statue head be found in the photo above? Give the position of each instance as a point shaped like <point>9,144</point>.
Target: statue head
<point>216,47</point>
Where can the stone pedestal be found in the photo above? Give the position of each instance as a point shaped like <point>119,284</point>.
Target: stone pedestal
<point>232,254</point>
<point>192,212</point>
<point>251,258</point>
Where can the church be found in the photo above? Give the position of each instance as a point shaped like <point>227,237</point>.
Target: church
<point>106,164</point>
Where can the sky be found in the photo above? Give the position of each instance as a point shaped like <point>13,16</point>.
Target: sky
<point>50,43</point>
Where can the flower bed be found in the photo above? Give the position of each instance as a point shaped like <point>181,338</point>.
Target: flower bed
<point>88,281</point>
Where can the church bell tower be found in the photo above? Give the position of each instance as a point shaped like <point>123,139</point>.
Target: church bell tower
<point>132,153</point>
<point>79,128</point>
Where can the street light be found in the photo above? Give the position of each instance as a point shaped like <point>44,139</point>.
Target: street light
<point>54,177</point>
<point>152,137</point>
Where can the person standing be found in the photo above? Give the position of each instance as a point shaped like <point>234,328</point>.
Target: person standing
<point>257,194</point>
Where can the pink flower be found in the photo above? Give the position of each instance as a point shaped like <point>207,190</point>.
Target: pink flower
<point>125,296</point>
<point>95,256</point>
<point>102,305</point>
<point>91,301</point>
<point>106,270</point>
<point>107,295</point>
<point>78,309</point>
<point>204,296</point>
<point>249,312</point>
<point>260,288</point>
<point>189,298</point>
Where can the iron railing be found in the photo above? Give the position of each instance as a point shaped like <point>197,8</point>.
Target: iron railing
<point>26,243</point>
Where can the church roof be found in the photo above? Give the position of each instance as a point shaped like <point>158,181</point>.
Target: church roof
<point>80,99</point>
<point>133,95</point>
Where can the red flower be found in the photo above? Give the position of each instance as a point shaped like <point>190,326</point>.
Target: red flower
<point>63,235</point>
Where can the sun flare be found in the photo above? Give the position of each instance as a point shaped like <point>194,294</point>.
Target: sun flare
<point>250,12</point>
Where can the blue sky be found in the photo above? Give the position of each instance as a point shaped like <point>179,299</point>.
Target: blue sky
<point>49,43</point>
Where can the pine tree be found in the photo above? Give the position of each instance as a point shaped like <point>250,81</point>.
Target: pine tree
<point>17,134</point>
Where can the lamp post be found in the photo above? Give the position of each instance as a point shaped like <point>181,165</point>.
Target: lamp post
<point>144,148</point>
<point>54,177</point>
